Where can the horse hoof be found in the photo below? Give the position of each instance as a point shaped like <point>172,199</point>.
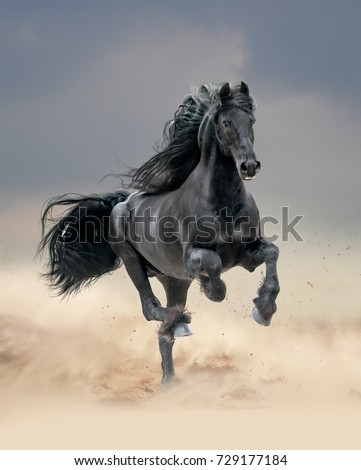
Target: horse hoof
<point>168,383</point>
<point>182,329</point>
<point>215,289</point>
<point>259,319</point>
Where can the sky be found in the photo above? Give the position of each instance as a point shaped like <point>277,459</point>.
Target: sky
<point>88,85</point>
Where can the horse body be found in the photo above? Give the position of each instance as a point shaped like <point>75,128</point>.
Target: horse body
<point>192,217</point>
<point>229,239</point>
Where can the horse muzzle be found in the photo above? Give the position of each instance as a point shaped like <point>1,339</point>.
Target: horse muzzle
<point>248,169</point>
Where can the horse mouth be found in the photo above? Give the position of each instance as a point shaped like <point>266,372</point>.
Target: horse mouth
<point>247,175</point>
<point>248,178</point>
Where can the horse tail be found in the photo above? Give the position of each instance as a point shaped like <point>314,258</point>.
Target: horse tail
<point>77,242</point>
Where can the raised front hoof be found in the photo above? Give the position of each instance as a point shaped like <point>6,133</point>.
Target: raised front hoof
<point>182,329</point>
<point>259,319</point>
<point>215,290</point>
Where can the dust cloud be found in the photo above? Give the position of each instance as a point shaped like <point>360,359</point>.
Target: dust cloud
<point>85,373</point>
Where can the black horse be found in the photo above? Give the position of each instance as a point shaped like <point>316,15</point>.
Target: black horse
<point>189,217</point>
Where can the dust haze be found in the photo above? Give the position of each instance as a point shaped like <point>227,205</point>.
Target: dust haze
<point>85,373</point>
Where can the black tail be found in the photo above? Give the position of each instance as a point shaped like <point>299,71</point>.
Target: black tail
<point>78,241</point>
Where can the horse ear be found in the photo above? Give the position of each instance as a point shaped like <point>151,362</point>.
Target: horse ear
<point>225,92</point>
<point>203,89</point>
<point>244,88</point>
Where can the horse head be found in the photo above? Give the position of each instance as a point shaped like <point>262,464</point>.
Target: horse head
<point>234,122</point>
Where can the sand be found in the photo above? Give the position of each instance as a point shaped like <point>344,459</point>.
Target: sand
<point>85,373</point>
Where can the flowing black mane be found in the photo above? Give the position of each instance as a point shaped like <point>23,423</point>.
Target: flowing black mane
<point>179,155</point>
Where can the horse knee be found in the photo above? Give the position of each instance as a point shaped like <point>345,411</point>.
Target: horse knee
<point>194,265</point>
<point>271,253</point>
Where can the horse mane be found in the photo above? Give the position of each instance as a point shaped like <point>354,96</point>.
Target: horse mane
<point>179,152</point>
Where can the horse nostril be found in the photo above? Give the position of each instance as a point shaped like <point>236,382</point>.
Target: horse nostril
<point>244,168</point>
<point>258,166</point>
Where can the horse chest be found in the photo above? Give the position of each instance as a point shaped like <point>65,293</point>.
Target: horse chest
<point>236,254</point>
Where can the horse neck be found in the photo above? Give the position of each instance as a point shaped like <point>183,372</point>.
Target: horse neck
<point>216,176</point>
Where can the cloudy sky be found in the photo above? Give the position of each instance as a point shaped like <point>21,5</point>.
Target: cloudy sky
<point>86,85</point>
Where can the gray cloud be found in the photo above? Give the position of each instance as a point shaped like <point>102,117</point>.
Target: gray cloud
<point>114,108</point>
<point>297,45</point>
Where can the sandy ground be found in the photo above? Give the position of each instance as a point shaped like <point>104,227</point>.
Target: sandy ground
<point>85,373</point>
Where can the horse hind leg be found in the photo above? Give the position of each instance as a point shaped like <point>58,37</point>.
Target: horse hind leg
<point>135,266</point>
<point>173,316</point>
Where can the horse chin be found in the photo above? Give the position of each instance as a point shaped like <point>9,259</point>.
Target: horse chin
<point>247,178</point>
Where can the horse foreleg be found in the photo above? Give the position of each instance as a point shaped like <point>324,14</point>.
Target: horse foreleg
<point>177,318</point>
<point>206,265</point>
<point>265,303</point>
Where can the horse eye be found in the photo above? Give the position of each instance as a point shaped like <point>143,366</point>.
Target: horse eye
<point>225,123</point>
